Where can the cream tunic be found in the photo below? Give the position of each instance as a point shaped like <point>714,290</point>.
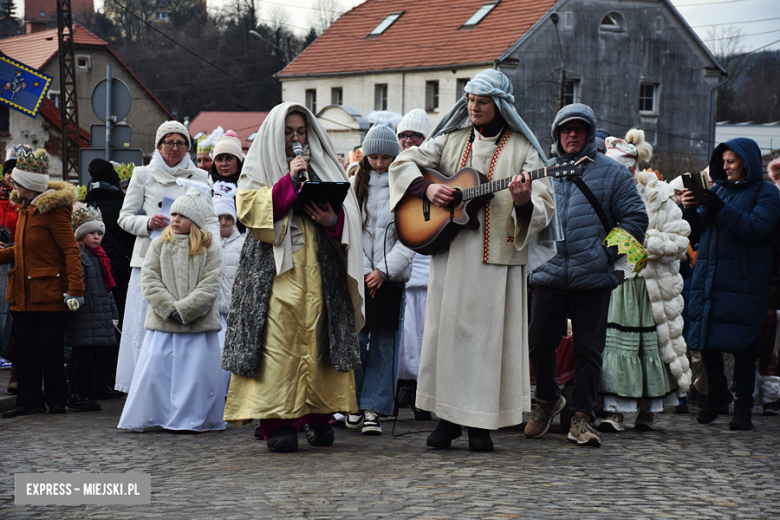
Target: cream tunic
<point>474,366</point>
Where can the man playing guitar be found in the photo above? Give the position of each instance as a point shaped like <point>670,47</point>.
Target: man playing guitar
<point>474,361</point>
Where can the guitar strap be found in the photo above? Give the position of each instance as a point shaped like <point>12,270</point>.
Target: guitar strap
<point>593,202</point>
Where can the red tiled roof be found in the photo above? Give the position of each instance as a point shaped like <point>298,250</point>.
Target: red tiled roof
<point>243,124</point>
<point>37,49</point>
<point>430,33</point>
<point>51,112</point>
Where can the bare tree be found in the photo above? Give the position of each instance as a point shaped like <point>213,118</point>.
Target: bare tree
<point>325,13</point>
<point>726,44</point>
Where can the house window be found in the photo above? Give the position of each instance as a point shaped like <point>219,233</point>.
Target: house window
<point>162,16</point>
<point>431,95</point>
<point>612,22</point>
<point>571,92</point>
<point>648,98</point>
<point>380,96</point>
<point>83,62</point>
<point>568,20</point>
<point>460,87</point>
<point>481,13</point>
<point>252,136</point>
<point>387,22</point>
<point>337,96</point>
<point>659,24</point>
<point>311,100</point>
<point>55,97</point>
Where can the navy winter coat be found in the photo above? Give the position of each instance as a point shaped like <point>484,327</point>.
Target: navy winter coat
<point>734,267</point>
<point>581,262</point>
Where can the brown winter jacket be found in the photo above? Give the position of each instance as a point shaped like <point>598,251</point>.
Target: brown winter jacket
<point>47,260</point>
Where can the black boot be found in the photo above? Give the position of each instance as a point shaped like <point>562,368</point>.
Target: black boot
<point>319,435</point>
<point>444,434</point>
<point>479,440</point>
<point>78,400</point>
<point>283,440</point>
<point>741,419</point>
<point>405,393</point>
<point>716,400</point>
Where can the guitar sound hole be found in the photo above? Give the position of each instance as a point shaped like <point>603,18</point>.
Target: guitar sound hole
<point>458,202</point>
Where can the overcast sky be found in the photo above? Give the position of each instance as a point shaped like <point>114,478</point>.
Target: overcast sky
<point>700,14</point>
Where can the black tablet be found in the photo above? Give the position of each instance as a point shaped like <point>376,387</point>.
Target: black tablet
<point>321,193</point>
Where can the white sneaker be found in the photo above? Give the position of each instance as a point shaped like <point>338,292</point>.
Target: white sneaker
<point>613,423</point>
<point>355,421</point>
<point>371,424</point>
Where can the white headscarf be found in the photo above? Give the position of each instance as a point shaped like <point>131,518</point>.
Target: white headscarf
<point>266,163</point>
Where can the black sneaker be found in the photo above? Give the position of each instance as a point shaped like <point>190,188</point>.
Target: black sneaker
<point>713,407</point>
<point>771,408</point>
<point>421,415</point>
<point>79,401</point>
<point>371,424</point>
<point>741,419</point>
<point>283,440</point>
<point>319,435</point>
<point>444,434</point>
<point>693,395</point>
<point>682,407</point>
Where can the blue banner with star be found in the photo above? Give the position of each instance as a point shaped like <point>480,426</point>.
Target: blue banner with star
<point>21,87</point>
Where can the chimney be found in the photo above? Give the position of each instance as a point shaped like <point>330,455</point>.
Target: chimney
<point>34,26</point>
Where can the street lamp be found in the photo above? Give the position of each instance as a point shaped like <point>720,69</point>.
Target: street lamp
<point>284,55</point>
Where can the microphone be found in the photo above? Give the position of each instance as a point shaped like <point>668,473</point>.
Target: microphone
<point>298,152</point>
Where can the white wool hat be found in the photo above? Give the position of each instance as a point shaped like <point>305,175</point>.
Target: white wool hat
<point>676,183</point>
<point>224,199</point>
<point>415,121</point>
<point>172,127</point>
<point>621,151</point>
<point>32,170</point>
<point>227,144</point>
<point>194,204</point>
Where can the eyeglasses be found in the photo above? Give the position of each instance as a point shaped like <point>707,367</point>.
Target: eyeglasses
<point>174,144</point>
<point>414,136</point>
<point>565,130</point>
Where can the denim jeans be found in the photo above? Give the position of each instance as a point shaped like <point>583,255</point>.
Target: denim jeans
<point>376,377</point>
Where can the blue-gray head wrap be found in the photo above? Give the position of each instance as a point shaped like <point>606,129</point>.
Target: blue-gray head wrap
<point>493,83</point>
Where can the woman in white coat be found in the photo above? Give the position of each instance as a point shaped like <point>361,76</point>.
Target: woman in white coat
<point>141,215</point>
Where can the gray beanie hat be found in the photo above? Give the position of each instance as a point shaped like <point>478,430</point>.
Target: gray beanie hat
<point>381,140</point>
<point>195,204</point>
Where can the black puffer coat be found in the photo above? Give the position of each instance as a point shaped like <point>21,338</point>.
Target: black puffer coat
<point>92,324</point>
<point>117,243</point>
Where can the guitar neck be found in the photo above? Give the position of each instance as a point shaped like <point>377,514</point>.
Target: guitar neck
<point>501,184</point>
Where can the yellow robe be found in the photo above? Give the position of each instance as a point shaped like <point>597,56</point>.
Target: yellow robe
<point>295,375</point>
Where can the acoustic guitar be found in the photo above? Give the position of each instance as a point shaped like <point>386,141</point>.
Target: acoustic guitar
<point>427,229</point>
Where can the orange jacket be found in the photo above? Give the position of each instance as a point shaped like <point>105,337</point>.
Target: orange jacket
<point>46,257</point>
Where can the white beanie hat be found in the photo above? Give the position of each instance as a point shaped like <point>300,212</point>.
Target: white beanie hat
<point>676,184</point>
<point>196,203</point>
<point>225,199</point>
<point>415,121</point>
<point>227,144</point>
<point>172,127</point>
<point>32,170</point>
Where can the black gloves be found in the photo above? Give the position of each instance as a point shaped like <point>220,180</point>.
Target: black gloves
<point>711,201</point>
<point>175,316</point>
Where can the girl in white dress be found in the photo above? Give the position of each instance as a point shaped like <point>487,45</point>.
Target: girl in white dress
<point>178,383</point>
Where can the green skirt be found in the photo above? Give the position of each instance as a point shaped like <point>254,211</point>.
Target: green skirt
<point>632,364</point>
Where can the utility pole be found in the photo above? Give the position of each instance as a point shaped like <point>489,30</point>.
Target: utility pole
<point>554,19</point>
<point>69,103</point>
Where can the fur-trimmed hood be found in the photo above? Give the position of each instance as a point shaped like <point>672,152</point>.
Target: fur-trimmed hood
<point>59,194</point>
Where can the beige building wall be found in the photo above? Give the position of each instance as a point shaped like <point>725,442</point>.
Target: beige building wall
<point>405,91</point>
<point>145,113</point>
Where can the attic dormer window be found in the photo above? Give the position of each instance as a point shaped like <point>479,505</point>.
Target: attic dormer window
<point>612,22</point>
<point>387,22</point>
<point>481,13</point>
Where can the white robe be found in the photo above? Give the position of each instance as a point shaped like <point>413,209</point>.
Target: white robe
<point>474,366</point>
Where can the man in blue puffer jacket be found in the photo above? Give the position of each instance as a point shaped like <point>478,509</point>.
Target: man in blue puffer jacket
<point>733,274</point>
<point>578,281</point>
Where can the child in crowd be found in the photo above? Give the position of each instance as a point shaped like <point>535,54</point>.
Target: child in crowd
<point>91,328</point>
<point>232,242</point>
<point>178,383</point>
<point>379,347</point>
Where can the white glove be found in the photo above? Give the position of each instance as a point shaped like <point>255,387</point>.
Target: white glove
<point>73,302</point>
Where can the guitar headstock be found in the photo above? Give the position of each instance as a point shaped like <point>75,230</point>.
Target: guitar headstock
<point>565,169</point>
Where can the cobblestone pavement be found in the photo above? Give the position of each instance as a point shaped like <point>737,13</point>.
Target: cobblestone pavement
<point>683,470</point>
